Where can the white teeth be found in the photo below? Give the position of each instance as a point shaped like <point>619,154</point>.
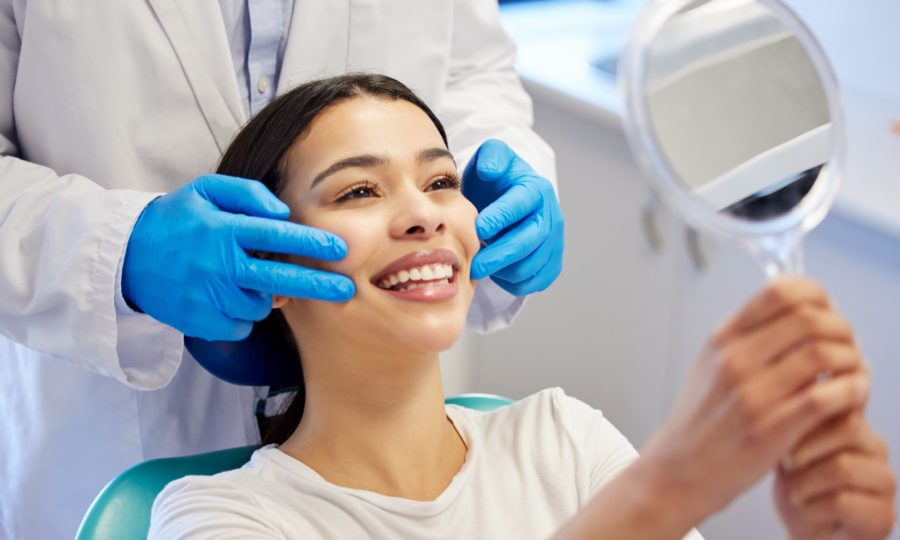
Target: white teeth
<point>427,272</point>
<point>412,286</point>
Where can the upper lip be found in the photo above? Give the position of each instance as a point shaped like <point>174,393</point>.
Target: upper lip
<point>416,259</point>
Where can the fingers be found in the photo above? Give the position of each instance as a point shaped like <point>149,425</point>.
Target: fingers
<point>527,267</point>
<point>791,419</point>
<point>512,247</point>
<point>285,279</point>
<point>806,324</point>
<point>214,326</point>
<point>240,195</point>
<point>517,203</point>
<point>493,159</point>
<point>776,298</point>
<point>849,432</point>
<point>846,513</point>
<point>799,368</point>
<point>539,281</point>
<point>842,471</point>
<point>261,234</point>
<point>242,305</point>
<point>866,515</point>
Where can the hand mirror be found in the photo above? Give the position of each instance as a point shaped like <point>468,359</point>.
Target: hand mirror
<point>734,108</point>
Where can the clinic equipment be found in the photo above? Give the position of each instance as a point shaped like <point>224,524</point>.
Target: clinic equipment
<point>734,109</point>
<point>122,509</point>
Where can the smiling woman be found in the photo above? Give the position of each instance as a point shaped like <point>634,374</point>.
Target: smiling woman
<point>370,450</point>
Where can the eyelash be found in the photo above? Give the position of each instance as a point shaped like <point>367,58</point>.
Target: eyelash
<point>352,192</point>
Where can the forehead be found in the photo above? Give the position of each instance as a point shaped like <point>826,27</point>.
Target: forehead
<point>396,129</point>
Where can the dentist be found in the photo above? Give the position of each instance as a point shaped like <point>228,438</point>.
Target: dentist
<point>114,244</point>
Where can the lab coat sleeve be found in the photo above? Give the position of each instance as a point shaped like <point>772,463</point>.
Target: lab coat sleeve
<point>62,240</point>
<point>484,99</point>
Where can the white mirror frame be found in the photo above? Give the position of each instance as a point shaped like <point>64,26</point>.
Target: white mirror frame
<point>633,71</point>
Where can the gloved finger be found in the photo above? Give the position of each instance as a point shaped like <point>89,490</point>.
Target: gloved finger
<point>213,326</point>
<point>527,267</point>
<point>518,202</point>
<point>493,159</point>
<point>511,248</point>
<point>241,196</point>
<point>255,233</point>
<point>539,281</point>
<point>286,279</point>
<point>243,304</point>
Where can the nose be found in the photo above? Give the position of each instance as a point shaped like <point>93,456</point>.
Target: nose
<point>417,217</point>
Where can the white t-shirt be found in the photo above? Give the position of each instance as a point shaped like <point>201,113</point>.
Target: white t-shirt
<point>529,467</point>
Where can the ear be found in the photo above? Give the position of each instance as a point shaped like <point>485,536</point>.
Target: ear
<point>279,302</point>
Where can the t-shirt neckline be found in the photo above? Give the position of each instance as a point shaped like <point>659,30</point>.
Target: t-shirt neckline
<point>398,505</point>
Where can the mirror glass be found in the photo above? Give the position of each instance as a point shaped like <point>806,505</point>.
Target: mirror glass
<point>738,107</point>
<point>736,104</point>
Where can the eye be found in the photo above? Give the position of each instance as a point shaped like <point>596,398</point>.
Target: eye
<point>447,181</point>
<point>359,191</point>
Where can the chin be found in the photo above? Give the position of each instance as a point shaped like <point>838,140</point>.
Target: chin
<point>434,334</point>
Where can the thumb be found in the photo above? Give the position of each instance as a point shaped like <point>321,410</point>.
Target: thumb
<point>493,159</point>
<point>240,196</point>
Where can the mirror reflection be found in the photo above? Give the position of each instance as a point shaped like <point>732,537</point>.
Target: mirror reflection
<point>738,108</point>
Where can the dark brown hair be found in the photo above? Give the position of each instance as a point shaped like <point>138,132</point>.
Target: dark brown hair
<point>258,152</point>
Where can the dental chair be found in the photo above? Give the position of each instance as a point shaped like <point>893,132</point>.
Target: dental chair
<point>122,509</point>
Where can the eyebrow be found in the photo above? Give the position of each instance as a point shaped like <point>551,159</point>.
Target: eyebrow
<point>365,161</point>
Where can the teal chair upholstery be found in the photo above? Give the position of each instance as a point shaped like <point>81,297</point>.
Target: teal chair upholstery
<point>122,510</point>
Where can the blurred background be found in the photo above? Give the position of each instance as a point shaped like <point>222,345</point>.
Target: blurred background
<point>640,292</point>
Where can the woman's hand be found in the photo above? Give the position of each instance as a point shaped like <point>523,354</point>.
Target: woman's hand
<point>839,485</point>
<point>753,395</point>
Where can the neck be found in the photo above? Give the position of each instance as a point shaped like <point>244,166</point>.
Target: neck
<point>375,420</point>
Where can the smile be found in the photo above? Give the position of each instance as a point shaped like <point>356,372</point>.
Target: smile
<point>428,275</point>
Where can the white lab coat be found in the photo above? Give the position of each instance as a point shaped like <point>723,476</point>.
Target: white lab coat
<point>103,105</point>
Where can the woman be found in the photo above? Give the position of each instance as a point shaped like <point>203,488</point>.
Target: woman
<point>370,449</point>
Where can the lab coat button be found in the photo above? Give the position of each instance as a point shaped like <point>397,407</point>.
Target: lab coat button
<point>263,84</point>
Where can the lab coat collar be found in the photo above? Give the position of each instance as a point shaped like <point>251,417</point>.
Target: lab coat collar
<point>310,53</point>
<point>196,31</point>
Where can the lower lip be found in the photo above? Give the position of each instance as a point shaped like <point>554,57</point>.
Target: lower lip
<point>430,293</point>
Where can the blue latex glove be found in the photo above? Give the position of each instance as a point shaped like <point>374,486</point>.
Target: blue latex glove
<point>519,219</point>
<point>186,264</point>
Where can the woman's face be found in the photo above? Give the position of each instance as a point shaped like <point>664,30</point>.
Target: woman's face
<point>375,172</point>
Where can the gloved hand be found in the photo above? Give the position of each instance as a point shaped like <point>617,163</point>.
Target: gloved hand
<point>186,264</point>
<point>518,217</point>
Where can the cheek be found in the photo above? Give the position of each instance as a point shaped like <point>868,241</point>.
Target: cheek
<point>464,224</point>
<point>357,229</point>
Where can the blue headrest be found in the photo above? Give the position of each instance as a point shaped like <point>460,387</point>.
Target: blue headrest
<point>264,358</point>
